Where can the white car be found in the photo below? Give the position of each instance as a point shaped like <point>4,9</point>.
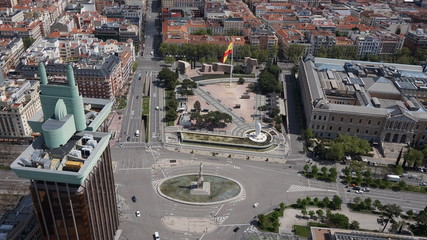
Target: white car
<point>359,192</point>
<point>156,235</point>
<point>138,213</point>
<point>256,205</point>
<point>157,108</point>
<point>152,52</point>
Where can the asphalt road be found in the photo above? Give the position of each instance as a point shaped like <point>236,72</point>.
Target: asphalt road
<point>135,176</point>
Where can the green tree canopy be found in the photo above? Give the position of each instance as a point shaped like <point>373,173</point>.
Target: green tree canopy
<point>413,157</point>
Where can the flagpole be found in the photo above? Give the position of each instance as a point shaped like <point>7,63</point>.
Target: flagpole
<point>232,56</point>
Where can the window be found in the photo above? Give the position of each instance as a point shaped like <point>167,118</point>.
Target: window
<point>417,126</point>
<point>330,127</point>
<point>366,131</point>
<point>314,117</point>
<point>348,129</point>
<point>369,122</point>
<point>342,119</point>
<point>351,120</point>
<point>376,132</point>
<point>357,130</point>
<point>333,118</point>
<point>324,118</point>
<point>323,127</point>
<point>339,129</point>
<point>317,127</point>
<point>379,122</point>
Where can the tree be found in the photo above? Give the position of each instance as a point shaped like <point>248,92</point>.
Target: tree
<point>267,83</point>
<point>168,77</point>
<point>390,211</point>
<point>134,66</point>
<point>324,171</point>
<point>28,42</point>
<point>413,157</point>
<point>338,220</point>
<point>171,115</point>
<point>170,59</point>
<point>398,170</point>
<point>314,170</point>
<point>295,52</point>
<point>354,225</point>
<point>307,134</point>
<point>377,204</point>
<point>304,212</point>
<point>320,214</point>
<point>311,213</point>
<point>306,168</point>
<point>241,81</point>
<point>197,106</point>
<point>336,202</point>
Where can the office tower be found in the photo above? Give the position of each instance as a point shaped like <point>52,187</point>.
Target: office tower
<point>69,165</point>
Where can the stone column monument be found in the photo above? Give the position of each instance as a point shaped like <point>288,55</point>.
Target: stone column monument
<point>200,187</point>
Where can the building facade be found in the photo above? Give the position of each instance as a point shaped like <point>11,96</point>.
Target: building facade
<point>69,166</point>
<point>363,99</point>
<point>19,101</point>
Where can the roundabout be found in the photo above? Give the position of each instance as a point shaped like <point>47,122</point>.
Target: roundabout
<point>178,189</point>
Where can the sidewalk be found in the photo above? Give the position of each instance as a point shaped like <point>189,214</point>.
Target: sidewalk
<point>190,224</point>
<point>294,217</point>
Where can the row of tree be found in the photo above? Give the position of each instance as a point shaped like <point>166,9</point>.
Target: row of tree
<point>333,204</point>
<point>208,53</point>
<point>268,80</point>
<point>404,55</point>
<point>211,120</point>
<point>325,174</point>
<point>341,146</point>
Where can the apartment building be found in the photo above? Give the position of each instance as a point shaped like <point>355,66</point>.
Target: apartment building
<point>416,39</point>
<point>8,3</point>
<point>19,101</point>
<point>263,37</point>
<point>10,15</point>
<point>97,76</point>
<point>363,99</point>
<point>320,39</point>
<point>120,32</point>
<point>14,48</point>
<point>30,29</point>
<point>233,24</point>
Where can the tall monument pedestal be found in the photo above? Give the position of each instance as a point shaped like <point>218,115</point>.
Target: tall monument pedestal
<point>205,189</point>
<point>200,187</point>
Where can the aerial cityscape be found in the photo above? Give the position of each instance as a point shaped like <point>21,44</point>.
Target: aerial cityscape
<point>213,119</point>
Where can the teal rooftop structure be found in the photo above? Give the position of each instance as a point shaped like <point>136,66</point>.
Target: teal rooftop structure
<point>69,144</point>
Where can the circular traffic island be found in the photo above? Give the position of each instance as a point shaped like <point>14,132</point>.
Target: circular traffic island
<point>187,189</point>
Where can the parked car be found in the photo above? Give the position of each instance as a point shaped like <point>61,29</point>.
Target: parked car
<point>138,213</point>
<point>366,189</point>
<point>423,184</point>
<point>236,229</point>
<point>133,199</point>
<point>156,236</point>
<point>256,205</point>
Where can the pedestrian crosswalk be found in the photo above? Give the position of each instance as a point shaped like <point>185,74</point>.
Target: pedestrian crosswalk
<point>297,188</point>
<point>220,220</point>
<point>155,183</point>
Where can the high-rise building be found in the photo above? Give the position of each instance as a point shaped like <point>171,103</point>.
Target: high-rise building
<point>69,165</point>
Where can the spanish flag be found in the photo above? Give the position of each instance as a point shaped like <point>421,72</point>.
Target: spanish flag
<point>227,52</point>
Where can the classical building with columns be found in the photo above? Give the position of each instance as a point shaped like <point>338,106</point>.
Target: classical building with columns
<point>380,102</point>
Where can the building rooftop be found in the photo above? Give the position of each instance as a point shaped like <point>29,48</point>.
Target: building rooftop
<point>366,87</point>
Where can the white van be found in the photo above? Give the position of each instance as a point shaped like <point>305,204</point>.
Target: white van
<point>156,236</point>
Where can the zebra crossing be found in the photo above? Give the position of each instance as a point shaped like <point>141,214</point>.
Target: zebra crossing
<point>297,188</point>
<point>220,220</point>
<point>155,183</point>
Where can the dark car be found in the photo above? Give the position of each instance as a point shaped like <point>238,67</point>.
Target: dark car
<point>133,199</point>
<point>236,229</point>
<point>128,138</point>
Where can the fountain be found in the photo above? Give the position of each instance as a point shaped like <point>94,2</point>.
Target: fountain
<point>257,136</point>
<point>200,189</point>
